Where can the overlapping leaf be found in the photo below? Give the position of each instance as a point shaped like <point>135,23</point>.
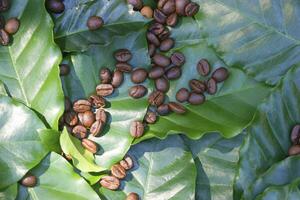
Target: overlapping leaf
<point>9,193</point>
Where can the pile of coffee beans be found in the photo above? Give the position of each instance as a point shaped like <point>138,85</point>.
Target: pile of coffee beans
<point>7,27</point>
<point>295,139</point>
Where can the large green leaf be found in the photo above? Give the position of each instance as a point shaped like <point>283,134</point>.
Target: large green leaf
<point>57,180</point>
<point>261,37</point>
<point>72,34</point>
<point>269,135</point>
<point>9,193</point>
<point>2,89</point>
<point>29,67</point>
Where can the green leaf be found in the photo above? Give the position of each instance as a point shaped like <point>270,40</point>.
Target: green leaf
<point>72,34</point>
<point>29,67</point>
<point>57,180</point>
<point>260,37</point>
<point>50,139</point>
<point>2,89</point>
<point>269,135</point>
<point>9,193</point>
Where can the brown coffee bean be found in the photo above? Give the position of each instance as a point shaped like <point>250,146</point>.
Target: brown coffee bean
<point>87,119</point>
<point>12,25</point>
<point>178,59</point>
<point>124,67</point>
<point>4,5</point>
<point>94,23</point>
<point>164,35</point>
<point>104,90</point>
<point>101,115</point>
<point>79,132</point>
<point>196,99</point>
<point>117,79</point>
<point>294,150</point>
<point>156,98</point>
<point>159,16</point>
<point>220,75</point>
<point>162,84</point>
<point>180,6</point>
<point>137,129</point>
<point>166,45</point>
<point>147,12</point>
<point>55,6</point>
<point>105,75</point>
<point>163,109</point>
<point>97,101</point>
<point>96,128</point>
<point>156,28</point>
<point>137,4</point>
<point>295,135</point>
<point>132,196</point>
<point>4,38</point>
<point>172,20</point>
<point>71,118</point>
<point>177,108</point>
<point>197,86</point>
<point>156,72</point>
<point>137,91</point>
<point>150,117</point>
<point>29,180</point>
<point>151,50</point>
<point>182,95</point>
<point>68,104</point>
<point>122,55</point>
<point>127,163</point>
<point>211,86</point>
<point>203,67</point>
<point>139,75</point>
<point>173,73</point>
<point>81,105</point>
<point>191,9</point>
<point>166,6</point>
<point>118,171</point>
<point>89,145</point>
<point>161,60</point>
<point>153,39</point>
<point>110,182</point>
<point>64,69</point>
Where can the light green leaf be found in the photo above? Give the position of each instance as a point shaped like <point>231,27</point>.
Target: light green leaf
<point>2,89</point>
<point>50,139</point>
<point>9,193</point>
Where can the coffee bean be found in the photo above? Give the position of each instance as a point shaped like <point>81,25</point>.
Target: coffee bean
<point>197,86</point>
<point>177,108</point>
<point>172,20</point>
<point>136,129</point>
<point>87,119</point>
<point>182,95</point>
<point>12,26</point>
<point>166,45</point>
<point>191,9</point>
<point>29,180</point>
<point>127,163</point>
<point>101,115</point>
<point>71,118</point>
<point>180,6</point>
<point>117,79</point>
<point>147,12</point>
<point>295,135</point>
<point>68,104</point>
<point>122,55</point>
<point>81,105</point>
<point>212,86</point>
<point>105,75</point>
<point>94,23</point>
<point>156,72</point>
<point>55,6</point>
<point>137,91</point>
<point>104,90</point>
<point>110,182</point>
<point>164,35</point>
<point>89,145</point>
<point>151,50</point>
<point>96,128</point>
<point>156,98</point>
<point>139,75</point>
<point>132,196</point>
<point>166,6</point>
<point>159,16</point>
<point>173,73</point>
<point>118,171</point>
<point>161,60</point>
<point>156,28</point>
<point>97,101</point>
<point>153,39</point>
<point>196,99</point>
<point>64,69</point>
<point>162,84</point>
<point>178,59</point>
<point>203,67</point>
<point>150,117</point>
<point>4,38</point>
<point>221,74</point>
<point>124,67</point>
<point>137,4</point>
<point>163,109</point>
<point>79,132</point>
<point>294,150</point>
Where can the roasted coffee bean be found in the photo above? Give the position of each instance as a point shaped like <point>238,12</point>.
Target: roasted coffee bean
<point>87,118</point>
<point>178,59</point>
<point>159,16</point>
<point>182,95</point>
<point>69,129</point>
<point>117,79</point>
<point>136,129</point>
<point>12,26</point>
<point>173,73</point>
<point>97,101</point>
<point>164,35</point>
<point>94,23</point>
<point>166,45</point>
<point>161,60</point>
<point>294,150</point>
<point>127,163</point>
<point>90,145</point>
<point>132,196</point>
<point>295,135</point>
<point>191,9</point>
<point>180,6</point>
<point>166,6</point>
<point>137,4</point>
<point>156,28</point>
<point>153,39</point>
<point>203,67</point>
<point>197,86</point>
<point>124,67</point>
<point>64,69</point>
<point>156,98</point>
<point>172,20</point>
<point>81,105</point>
<point>105,75</point>
<point>55,6</point>
<point>104,90</point>
<point>96,128</point>
<point>2,21</point>
<point>163,109</point>
<point>196,99</point>
<point>122,55</point>
<point>162,84</point>
<point>101,115</point>
<point>68,104</point>
<point>118,171</point>
<point>4,5</point>
<point>110,182</point>
<point>4,37</point>
<point>29,180</point>
<point>211,86</point>
<point>137,91</point>
<point>156,72</point>
<point>79,132</point>
<point>177,108</point>
<point>139,75</point>
<point>221,74</point>
<point>150,117</point>
<point>151,50</point>
<point>71,118</point>
<point>147,12</point>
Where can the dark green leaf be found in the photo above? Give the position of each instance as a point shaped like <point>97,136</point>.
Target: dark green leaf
<point>50,139</point>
